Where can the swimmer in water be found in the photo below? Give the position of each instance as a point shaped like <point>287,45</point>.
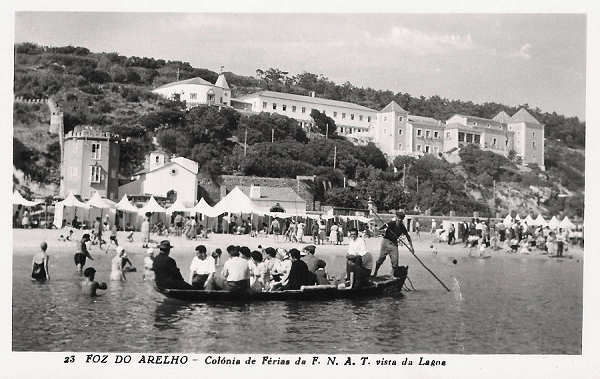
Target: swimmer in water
<point>89,285</point>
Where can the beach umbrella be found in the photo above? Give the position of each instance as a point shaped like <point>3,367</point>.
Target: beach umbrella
<point>178,206</point>
<point>566,224</point>
<point>18,199</point>
<point>151,206</point>
<point>125,205</point>
<point>554,223</point>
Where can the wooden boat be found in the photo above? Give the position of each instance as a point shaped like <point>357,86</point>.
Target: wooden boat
<point>380,286</point>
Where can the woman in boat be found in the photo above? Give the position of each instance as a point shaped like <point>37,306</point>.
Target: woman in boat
<point>299,274</point>
<point>258,272</point>
<point>272,263</point>
<point>321,274</point>
<point>39,265</point>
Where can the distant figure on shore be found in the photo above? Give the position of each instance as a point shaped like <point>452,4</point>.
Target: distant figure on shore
<point>82,253</point>
<point>98,228</point>
<point>145,232</point>
<point>25,221</point>
<point>39,265</point>
<point>166,273</point>
<point>113,238</point>
<point>89,285</point>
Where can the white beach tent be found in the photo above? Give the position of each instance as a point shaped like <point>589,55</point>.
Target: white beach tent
<point>566,223</point>
<point>18,199</point>
<point>178,206</point>
<point>203,208</point>
<point>553,223</point>
<point>517,217</point>
<point>529,220</point>
<point>540,221</point>
<point>97,201</point>
<point>151,206</point>
<point>59,207</point>
<point>507,220</point>
<point>236,201</point>
<point>125,206</point>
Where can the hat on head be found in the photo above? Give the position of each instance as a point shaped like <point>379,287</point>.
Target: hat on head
<point>85,236</point>
<point>120,250</point>
<point>400,214</point>
<point>165,244</point>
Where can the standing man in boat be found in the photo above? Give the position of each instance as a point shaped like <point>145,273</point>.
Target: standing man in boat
<point>394,230</point>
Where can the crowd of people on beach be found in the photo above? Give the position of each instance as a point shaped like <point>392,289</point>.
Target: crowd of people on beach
<point>516,237</point>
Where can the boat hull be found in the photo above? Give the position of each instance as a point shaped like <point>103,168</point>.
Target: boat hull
<point>382,286</point>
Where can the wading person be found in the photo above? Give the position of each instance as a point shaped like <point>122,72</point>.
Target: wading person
<point>359,261</point>
<point>39,265</point>
<point>166,273</point>
<point>82,253</point>
<point>116,272</point>
<point>89,285</point>
<point>394,230</point>
<point>148,263</point>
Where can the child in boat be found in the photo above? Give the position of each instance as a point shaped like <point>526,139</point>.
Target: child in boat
<point>89,285</point>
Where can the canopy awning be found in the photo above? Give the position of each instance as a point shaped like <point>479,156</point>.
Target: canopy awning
<point>203,208</point>
<point>151,206</point>
<point>529,220</point>
<point>236,201</point>
<point>18,199</point>
<point>125,205</point>
<point>566,224</point>
<point>178,206</point>
<point>97,201</point>
<point>507,220</point>
<point>71,201</point>
<point>554,223</point>
<point>540,221</point>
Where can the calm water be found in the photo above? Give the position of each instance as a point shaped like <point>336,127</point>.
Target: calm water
<point>499,305</point>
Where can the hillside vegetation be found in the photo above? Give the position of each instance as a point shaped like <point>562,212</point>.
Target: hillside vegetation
<point>114,92</point>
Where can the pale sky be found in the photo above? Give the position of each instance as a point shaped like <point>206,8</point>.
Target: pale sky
<point>510,59</point>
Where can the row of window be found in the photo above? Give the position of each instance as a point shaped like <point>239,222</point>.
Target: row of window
<point>284,108</point>
<point>428,133</point>
<point>427,149</point>
<point>469,137</point>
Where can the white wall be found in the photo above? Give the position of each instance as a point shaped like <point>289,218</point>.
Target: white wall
<point>186,90</point>
<point>161,181</point>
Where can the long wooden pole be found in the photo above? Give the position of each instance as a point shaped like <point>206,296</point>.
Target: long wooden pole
<point>412,251</point>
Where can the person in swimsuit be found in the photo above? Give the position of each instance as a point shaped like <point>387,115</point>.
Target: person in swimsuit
<point>116,269</point>
<point>148,261</point>
<point>82,253</point>
<point>39,265</point>
<point>89,285</point>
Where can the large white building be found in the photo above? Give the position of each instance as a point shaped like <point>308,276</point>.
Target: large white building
<point>197,91</point>
<point>396,132</point>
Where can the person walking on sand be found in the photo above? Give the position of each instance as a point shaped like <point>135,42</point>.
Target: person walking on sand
<point>82,253</point>
<point>394,230</point>
<point>39,265</point>
<point>145,229</point>
<point>89,285</point>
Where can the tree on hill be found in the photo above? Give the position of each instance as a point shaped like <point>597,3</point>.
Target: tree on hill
<point>325,124</point>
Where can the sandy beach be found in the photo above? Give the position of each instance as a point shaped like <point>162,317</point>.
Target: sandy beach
<point>27,241</point>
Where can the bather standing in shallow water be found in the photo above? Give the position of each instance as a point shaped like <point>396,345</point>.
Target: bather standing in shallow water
<point>39,265</point>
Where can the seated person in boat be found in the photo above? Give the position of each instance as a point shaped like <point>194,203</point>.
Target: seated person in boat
<point>308,256</point>
<point>359,261</point>
<point>236,272</point>
<point>281,271</point>
<point>202,269</point>
<point>259,276</point>
<point>321,274</point>
<point>299,274</point>
<point>272,263</point>
<point>166,273</point>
